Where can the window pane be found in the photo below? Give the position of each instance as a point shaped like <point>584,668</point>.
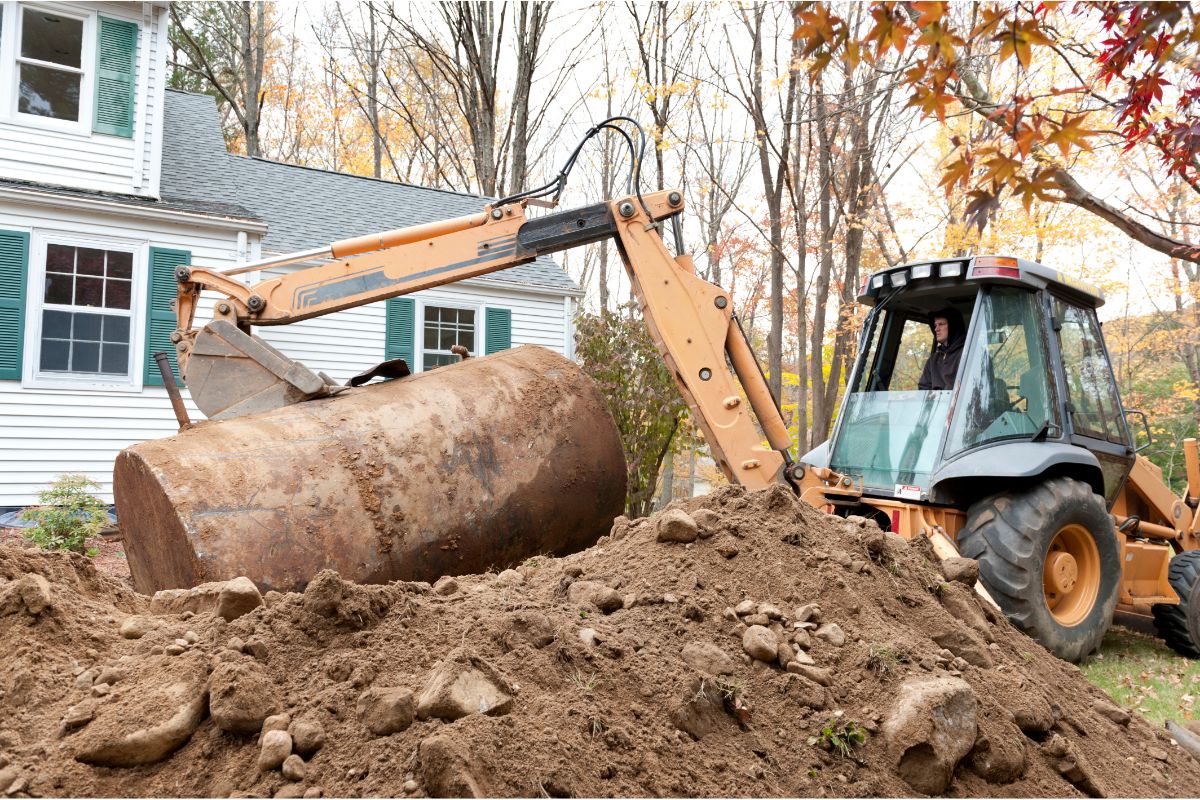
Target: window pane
<point>89,291</point>
<point>117,294</point>
<point>1090,384</point>
<point>85,357</point>
<point>431,338</point>
<point>87,327</point>
<point>120,265</point>
<point>449,338</point>
<point>466,317</point>
<point>431,314</point>
<point>115,359</point>
<point>89,261</point>
<point>60,258</point>
<point>58,289</point>
<point>116,329</point>
<point>1005,389</point>
<point>55,356</point>
<point>47,92</point>
<point>56,325</point>
<point>49,37</point>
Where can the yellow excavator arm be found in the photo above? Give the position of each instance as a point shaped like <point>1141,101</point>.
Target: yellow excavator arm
<point>230,372</point>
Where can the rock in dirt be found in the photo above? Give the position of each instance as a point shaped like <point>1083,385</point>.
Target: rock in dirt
<point>961,570</point>
<point>308,736</point>
<point>597,595</point>
<point>294,768</point>
<point>832,633</point>
<point>29,594</point>
<point>676,525</point>
<point>445,768</point>
<point>930,728</point>
<point>760,643</point>
<point>706,657</point>
<point>526,627</point>
<point>1072,766</point>
<point>701,711</point>
<point>241,697</point>
<point>274,749</point>
<point>999,752</point>
<point>708,522</point>
<point>456,689</point>
<point>961,604</point>
<point>137,626</point>
<point>386,709</point>
<point>1111,711</point>
<point>445,586</point>
<point>236,598</point>
<point>818,675</point>
<point>147,726</point>
<point>965,645</point>
<point>197,600</point>
<point>276,722</point>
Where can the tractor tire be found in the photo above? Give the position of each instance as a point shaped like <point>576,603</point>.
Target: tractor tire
<point>1049,557</point>
<point>1179,626</point>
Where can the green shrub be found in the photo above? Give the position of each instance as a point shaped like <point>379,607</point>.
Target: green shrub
<point>67,516</point>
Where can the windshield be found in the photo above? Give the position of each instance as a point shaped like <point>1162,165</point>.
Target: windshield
<point>890,430</point>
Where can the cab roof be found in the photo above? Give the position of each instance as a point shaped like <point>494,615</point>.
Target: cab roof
<point>949,274</point>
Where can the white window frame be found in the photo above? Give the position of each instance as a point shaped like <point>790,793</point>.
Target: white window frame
<point>35,301</point>
<point>419,333</point>
<point>10,59</point>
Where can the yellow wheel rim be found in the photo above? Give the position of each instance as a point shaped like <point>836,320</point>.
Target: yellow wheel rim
<point>1071,575</point>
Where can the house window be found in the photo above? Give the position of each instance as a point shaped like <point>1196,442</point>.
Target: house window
<point>444,328</point>
<point>50,73</point>
<point>86,312</point>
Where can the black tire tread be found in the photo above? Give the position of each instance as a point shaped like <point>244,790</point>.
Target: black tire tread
<point>1002,535</point>
<point>1171,622</point>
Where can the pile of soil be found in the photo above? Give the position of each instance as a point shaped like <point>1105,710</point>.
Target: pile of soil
<point>736,644</point>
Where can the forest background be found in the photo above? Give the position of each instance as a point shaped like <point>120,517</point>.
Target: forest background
<point>814,143</point>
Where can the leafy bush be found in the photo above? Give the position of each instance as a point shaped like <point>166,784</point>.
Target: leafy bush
<point>616,351</point>
<point>67,516</point>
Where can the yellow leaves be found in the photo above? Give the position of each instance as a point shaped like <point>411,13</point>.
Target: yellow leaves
<point>1071,133</point>
<point>1017,37</point>
<point>891,32</point>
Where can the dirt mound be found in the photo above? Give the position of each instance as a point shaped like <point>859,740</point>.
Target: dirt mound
<point>737,644</point>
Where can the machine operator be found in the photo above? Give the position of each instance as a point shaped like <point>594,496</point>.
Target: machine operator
<point>949,335</point>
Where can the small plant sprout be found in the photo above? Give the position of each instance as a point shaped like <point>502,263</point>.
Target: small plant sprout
<point>840,737</point>
<point>68,514</point>
<point>585,682</point>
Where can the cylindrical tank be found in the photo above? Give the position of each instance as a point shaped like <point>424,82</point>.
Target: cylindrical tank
<point>468,467</point>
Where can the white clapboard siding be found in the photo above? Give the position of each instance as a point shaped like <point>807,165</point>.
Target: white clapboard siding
<point>86,160</point>
<point>47,432</point>
<point>348,342</point>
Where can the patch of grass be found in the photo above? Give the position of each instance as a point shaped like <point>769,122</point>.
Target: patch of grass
<point>1144,675</point>
<point>584,681</point>
<point>840,737</point>
<point>882,659</point>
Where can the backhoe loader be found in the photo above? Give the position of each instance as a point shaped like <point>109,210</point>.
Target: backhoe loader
<point>1026,464</point>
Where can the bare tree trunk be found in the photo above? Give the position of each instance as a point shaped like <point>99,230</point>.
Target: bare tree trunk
<point>821,299</point>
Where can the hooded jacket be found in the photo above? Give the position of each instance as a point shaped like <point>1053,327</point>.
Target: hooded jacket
<point>942,366</point>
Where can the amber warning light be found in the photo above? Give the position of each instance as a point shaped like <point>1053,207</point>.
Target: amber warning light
<point>993,267</point>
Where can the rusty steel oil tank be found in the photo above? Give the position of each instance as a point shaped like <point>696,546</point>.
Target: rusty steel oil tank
<point>472,466</point>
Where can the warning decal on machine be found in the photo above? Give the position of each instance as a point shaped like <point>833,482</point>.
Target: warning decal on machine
<point>906,492</point>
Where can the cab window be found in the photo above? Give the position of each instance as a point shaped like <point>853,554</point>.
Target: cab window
<point>1095,409</point>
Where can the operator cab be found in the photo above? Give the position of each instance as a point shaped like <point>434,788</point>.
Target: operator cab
<point>1033,373</point>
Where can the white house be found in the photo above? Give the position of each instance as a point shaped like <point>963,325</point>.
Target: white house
<point>108,181</point>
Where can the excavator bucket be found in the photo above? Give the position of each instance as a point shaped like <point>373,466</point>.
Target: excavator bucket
<point>479,464</point>
<point>231,374</point>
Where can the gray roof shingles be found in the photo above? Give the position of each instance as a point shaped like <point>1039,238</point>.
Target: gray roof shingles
<point>305,207</point>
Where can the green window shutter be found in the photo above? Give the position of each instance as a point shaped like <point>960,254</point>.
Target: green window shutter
<point>160,317</point>
<point>14,264</point>
<point>497,329</point>
<point>401,330</point>
<point>116,77</point>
